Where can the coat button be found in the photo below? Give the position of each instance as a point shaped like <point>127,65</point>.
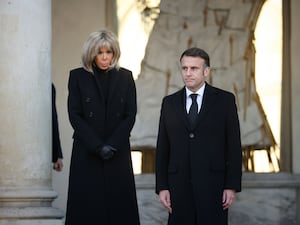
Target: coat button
<point>91,114</point>
<point>192,135</point>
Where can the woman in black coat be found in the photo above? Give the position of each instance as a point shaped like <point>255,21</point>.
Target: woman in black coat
<point>102,110</point>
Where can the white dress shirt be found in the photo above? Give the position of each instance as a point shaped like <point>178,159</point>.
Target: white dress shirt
<point>200,93</point>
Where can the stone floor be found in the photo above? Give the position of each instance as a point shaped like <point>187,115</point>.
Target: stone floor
<point>266,199</point>
<point>264,207</point>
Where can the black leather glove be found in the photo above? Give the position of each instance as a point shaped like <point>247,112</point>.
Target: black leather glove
<point>107,152</point>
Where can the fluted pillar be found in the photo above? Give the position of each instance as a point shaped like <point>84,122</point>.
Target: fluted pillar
<point>26,193</point>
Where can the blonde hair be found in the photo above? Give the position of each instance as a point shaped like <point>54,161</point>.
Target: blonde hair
<point>95,41</point>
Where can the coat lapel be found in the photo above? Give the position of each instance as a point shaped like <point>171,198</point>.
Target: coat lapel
<point>208,100</point>
<point>179,103</point>
<point>96,78</point>
<point>113,83</point>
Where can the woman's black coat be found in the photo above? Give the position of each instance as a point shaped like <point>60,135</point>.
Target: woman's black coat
<point>101,191</point>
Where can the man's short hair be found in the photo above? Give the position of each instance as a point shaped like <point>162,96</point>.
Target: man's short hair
<point>196,52</point>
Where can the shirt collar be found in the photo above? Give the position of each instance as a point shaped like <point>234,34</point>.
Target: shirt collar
<point>199,92</point>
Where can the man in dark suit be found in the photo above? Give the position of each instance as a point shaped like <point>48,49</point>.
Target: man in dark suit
<point>199,157</point>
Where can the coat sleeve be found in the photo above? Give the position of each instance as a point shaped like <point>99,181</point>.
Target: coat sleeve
<point>56,146</point>
<point>233,149</point>
<point>162,153</point>
<point>82,130</point>
<point>121,133</point>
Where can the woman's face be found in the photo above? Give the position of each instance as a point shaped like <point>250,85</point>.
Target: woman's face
<point>104,58</point>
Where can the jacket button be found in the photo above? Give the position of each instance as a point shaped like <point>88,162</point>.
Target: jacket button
<point>91,114</point>
<point>192,135</point>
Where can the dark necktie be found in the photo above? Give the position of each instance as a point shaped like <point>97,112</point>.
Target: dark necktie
<point>193,112</point>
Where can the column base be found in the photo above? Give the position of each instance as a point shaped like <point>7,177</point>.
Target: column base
<point>31,216</point>
<point>29,207</point>
<point>31,222</point>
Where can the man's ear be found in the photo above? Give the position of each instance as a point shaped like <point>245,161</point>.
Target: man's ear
<point>207,71</point>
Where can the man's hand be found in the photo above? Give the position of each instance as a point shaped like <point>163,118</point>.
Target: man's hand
<point>228,197</point>
<point>165,200</point>
<point>58,165</point>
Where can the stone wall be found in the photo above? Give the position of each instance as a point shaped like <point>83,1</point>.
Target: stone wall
<point>266,199</point>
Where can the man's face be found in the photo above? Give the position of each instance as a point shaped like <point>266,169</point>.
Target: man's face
<point>193,72</point>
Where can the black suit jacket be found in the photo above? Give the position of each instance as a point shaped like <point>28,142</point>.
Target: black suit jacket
<point>56,146</point>
<point>197,163</point>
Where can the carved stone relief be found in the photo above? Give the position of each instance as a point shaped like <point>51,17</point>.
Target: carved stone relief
<point>225,30</point>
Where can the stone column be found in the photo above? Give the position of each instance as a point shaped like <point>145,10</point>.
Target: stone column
<point>26,194</point>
